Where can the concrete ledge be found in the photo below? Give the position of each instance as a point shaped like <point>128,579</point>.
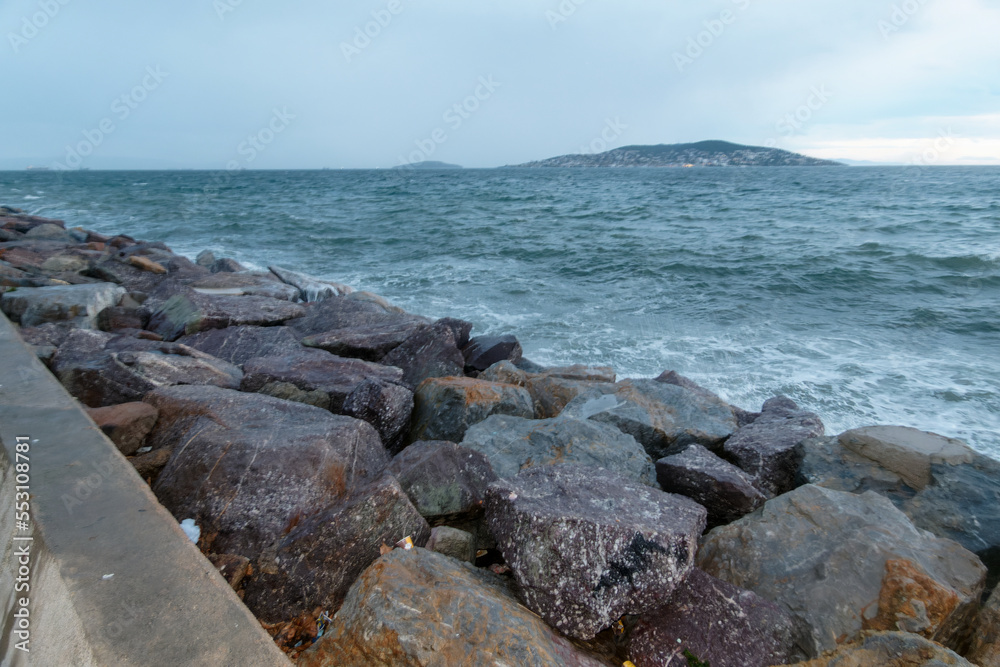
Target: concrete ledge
<point>92,516</point>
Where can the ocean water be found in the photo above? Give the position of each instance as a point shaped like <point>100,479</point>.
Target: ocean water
<point>869,295</point>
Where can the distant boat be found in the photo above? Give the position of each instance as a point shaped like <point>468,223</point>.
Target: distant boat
<point>32,168</point>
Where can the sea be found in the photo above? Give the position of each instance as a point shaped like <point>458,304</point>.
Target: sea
<point>869,295</point>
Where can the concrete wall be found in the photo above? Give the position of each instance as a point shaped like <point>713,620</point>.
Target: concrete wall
<point>92,516</point>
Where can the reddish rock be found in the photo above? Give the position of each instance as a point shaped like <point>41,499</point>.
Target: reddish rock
<point>341,312</point>
<point>233,568</point>
<point>428,352</point>
<point>127,424</point>
<point>151,464</point>
<point>238,345</point>
<point>444,408</point>
<point>370,343</point>
<point>724,490</point>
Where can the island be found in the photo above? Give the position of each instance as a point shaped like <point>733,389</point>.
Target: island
<point>700,154</point>
<point>428,164</point>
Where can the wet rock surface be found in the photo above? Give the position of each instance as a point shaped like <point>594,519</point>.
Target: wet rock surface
<point>429,352</point>
<point>513,444</point>
<point>841,563</point>
<point>79,304</point>
<point>394,613</point>
<point>587,546</point>
<point>444,408</point>
<point>484,351</point>
<point>717,623</point>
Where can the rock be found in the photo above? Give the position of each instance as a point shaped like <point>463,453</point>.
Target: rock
<point>191,313</point>
<point>453,542</point>
<point>551,393</point>
<point>444,408</point>
<point>238,345</point>
<point>483,351</point>
<point>770,449</point>
<point>444,481</point>
<point>151,464</point>
<point>673,377</point>
<point>310,289</point>
<point>664,418</point>
<point>226,265</point>
<point>64,264</point>
<point>370,343</point>
<point>130,277</point>
<point>961,503</point>
<point>505,373</point>
<point>49,232</point>
<point>380,301</point>
<point>513,444</point>
<point>428,352</point>
<point>205,258</point>
<point>339,312</point>
<point>985,648</point>
<point>720,487</point>
<point>233,568</point>
<point>50,333</point>
<point>7,235</point>
<point>238,284</point>
<point>888,649</point>
<point>384,405</point>
<point>720,624</point>
<point>316,563</point>
<point>146,264</point>
<point>459,328</point>
<point>840,563</point>
<point>127,424</point>
<point>395,612</point>
<point>582,373</point>
<point>248,467</point>
<point>906,451</point>
<point>100,369</point>
<point>78,304</point>
<point>587,546</point>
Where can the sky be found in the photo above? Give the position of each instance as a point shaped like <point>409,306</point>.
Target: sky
<point>305,84</point>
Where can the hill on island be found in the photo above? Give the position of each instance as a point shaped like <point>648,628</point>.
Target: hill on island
<point>701,154</point>
<point>428,164</point>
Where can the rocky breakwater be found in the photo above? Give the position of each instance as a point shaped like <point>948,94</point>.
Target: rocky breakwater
<point>385,489</point>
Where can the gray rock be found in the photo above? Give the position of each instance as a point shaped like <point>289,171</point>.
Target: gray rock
<point>664,418</point>
<point>342,312</point>
<point>115,318</point>
<point>49,232</point>
<point>444,481</point>
<point>552,393</point>
<point>384,405</point>
<point>889,649</point>
<point>513,444</point>
<point>238,345</point>
<point>453,542</point>
<point>247,467</point>
<point>310,289</point>
<point>906,451</point>
<point>460,328</point>
<point>428,352</point>
<point>841,563</point>
<point>770,449</point>
<point>237,284</point>
<point>191,313</point>
<point>78,304</point>
<point>505,373</point>
<point>673,377</point>
<point>370,343</point>
<point>587,546</point>
<point>226,265</point>
<point>720,487</point>
<point>316,563</point>
<point>205,258</point>
<point>582,373</point>
<point>396,612</point>
<point>444,408</point>
<point>483,351</point>
<point>101,369</point>
<point>720,624</point>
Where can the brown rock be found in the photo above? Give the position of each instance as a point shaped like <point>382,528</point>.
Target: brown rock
<point>233,568</point>
<point>985,649</point>
<point>444,408</point>
<point>889,649</point>
<point>906,451</point>
<point>151,464</point>
<point>127,424</point>
<point>146,264</point>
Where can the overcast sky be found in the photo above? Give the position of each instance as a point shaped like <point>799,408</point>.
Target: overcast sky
<point>373,83</point>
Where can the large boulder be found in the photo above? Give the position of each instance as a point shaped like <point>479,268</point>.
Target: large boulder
<point>238,345</point>
<point>398,610</point>
<point>720,624</point>
<point>126,425</point>
<point>724,490</point>
<point>908,452</point>
<point>316,563</point>
<point>664,418</point>
<point>673,377</point>
<point>444,408</point>
<point>552,393</point>
<point>370,343</point>
<point>483,351</point>
<point>102,369</point>
<point>962,501</point>
<point>588,546</point>
<point>341,312</point>
<point>841,563</point>
<point>985,649</point>
<point>513,444</point>
<point>444,481</point>
<point>192,312</point>
<point>77,304</point>
<point>429,352</point>
<point>309,288</point>
<point>238,284</point>
<point>770,449</point>
<point>359,388</point>
<point>889,649</point>
<point>247,467</point>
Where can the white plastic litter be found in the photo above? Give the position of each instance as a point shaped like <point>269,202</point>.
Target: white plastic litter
<point>191,530</point>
